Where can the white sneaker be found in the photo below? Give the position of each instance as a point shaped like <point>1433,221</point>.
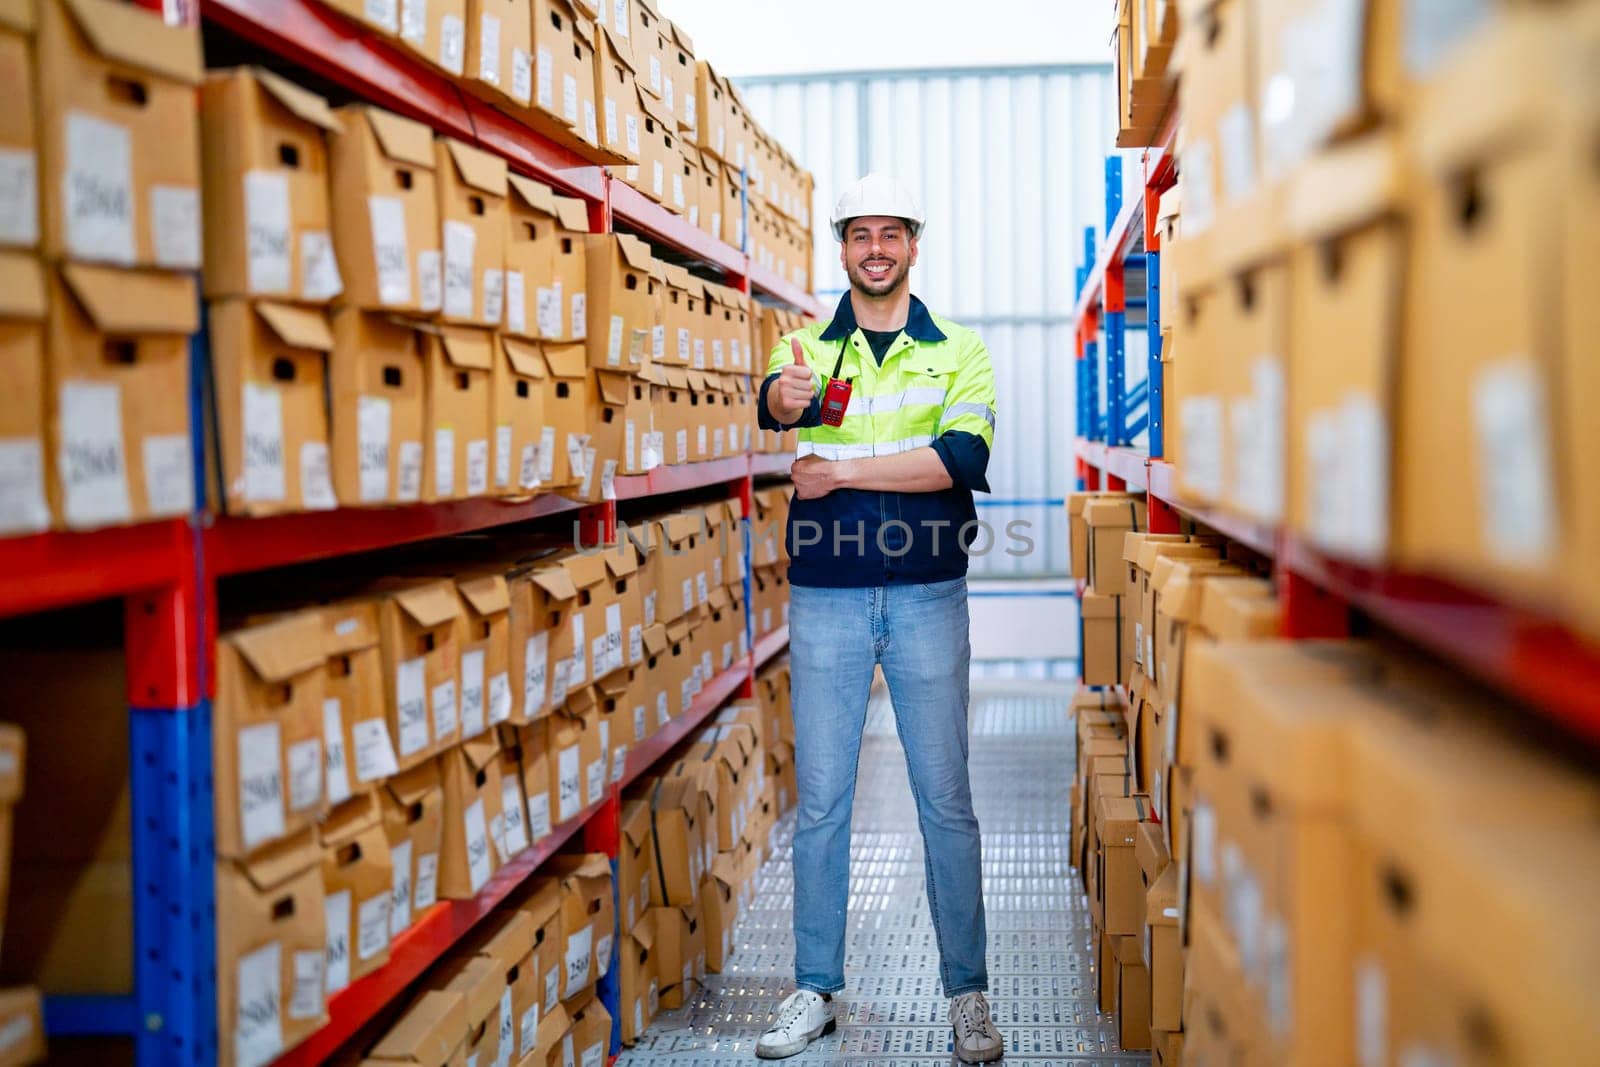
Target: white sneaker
<point>977,1041</point>
<point>802,1018</point>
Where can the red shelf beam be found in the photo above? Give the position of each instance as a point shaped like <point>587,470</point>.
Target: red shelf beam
<point>771,463</point>
<point>53,570</point>
<point>1258,537</point>
<point>715,694</point>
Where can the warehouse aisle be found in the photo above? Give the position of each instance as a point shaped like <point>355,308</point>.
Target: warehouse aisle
<point>892,1014</point>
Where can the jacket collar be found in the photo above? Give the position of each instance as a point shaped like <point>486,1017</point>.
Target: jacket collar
<point>919,323</point>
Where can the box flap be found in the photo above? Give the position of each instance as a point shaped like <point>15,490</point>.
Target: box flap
<point>282,860</point>
<point>681,525</point>
<point>556,582</point>
<point>479,169</point>
<point>585,570</point>
<point>303,103</point>
<point>17,15</point>
<point>350,820</point>
<point>644,930</point>
<point>573,214</point>
<point>621,560</point>
<point>642,534</point>
<point>1100,606</point>
<point>139,38</point>
<point>677,377</point>
<point>468,349</point>
<point>568,360</point>
<point>487,594</point>
<point>709,162</point>
<point>1132,543</point>
<point>696,380</point>
<point>412,786</point>
<point>656,108</point>
<point>542,906</point>
<point>526,357</point>
<point>615,684</point>
<point>677,277</point>
<point>1161,902</point>
<point>400,138</point>
<point>134,301</point>
<point>590,865</point>
<point>536,195</point>
<point>1346,186</point>
<point>280,649</point>
<point>1127,514</point>
<point>681,37</point>
<point>635,252</point>
<point>430,604</point>
<point>678,630</point>
<point>297,327</point>
<point>718,598</point>
<point>623,56</point>
<point>429,1032</point>
<point>583,28</point>
<point>1150,551</point>
<point>1150,846</point>
<point>613,386</point>
<point>21,286</point>
<point>510,944</point>
<point>655,639</point>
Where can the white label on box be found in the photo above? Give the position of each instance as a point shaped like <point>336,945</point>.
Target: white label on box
<point>413,21</point>
<point>677,190</point>
<point>547,453</point>
<point>655,75</point>
<point>1279,977</point>
<point>716,442</point>
<point>602,953</point>
<point>701,589</point>
<point>516,317</point>
<point>552,985</point>
<point>175,226</point>
<point>430,279</point>
<point>630,444</point>
<point>97,190</point>
<point>411,706</point>
<point>305,774</point>
<point>1204,843</point>
<point>427,881</point>
<point>635,643</point>
<point>716,571</point>
<point>569,781</point>
<point>372,444</point>
<point>381,13</point>
<point>545,67</point>
<point>716,354</point>
<point>569,98</point>
<point>1270,444</point>
<point>316,483</point>
<point>747,439</point>
<point>306,999</point>
<point>460,246</point>
<point>650,608</point>
<point>744,643</point>
<point>580,314</point>
<point>1516,494</point>
<point>601,655</point>
<point>499,699</point>
<point>22,501</point>
<point>336,920</point>
<point>1433,28</point>
<point>269,239</point>
<point>682,441</point>
<point>560,674</point>
<point>168,474</point>
<point>400,893</point>
<point>588,468</point>
<point>1236,134</point>
<point>263,442</point>
<point>410,471</point>
<point>689,108</point>
<point>580,953</point>
<point>535,665</point>
<point>1364,436</point>
<point>595,774</point>
<point>19,197</point>
<point>548,310</point>
<point>478,467</point>
<point>391,255</point>
<point>663,713</point>
<point>502,456</point>
<point>1372,1012</point>
<point>260,784</point>
<point>528,1038</point>
<point>654,449</point>
<point>494,295</point>
<point>590,132</point>
<point>683,344</point>
<point>694,214</point>
<point>93,470</point>
<point>699,354</point>
<point>614,342</point>
<point>539,816</point>
<point>658,342</point>
<point>444,461</point>
<point>446,719</point>
<point>258,1026</point>
<point>479,863</point>
<point>614,636</point>
<point>611,121</point>
<point>575,454</point>
<point>521,76</point>
<point>488,51</point>
<point>668,94</point>
<point>528,474</point>
<point>608,479</point>
<point>719,138</point>
<point>686,695</point>
<point>622,23</point>
<point>334,761</point>
<point>515,829</point>
<point>705,670</point>
<point>374,751</point>
<point>659,174</point>
<point>727,654</point>
<point>631,124</point>
<point>688,594</point>
<point>1202,419</point>
<point>372,927</point>
<point>641,728</point>
<point>474,720</point>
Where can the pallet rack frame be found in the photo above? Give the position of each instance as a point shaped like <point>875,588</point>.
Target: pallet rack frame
<point>166,574</point>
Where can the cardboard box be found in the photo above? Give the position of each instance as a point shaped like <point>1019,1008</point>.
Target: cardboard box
<point>386,211</point>
<point>413,822</point>
<point>458,364</point>
<point>565,403</point>
<point>680,297</point>
<point>622,314</point>
<point>636,861</point>
<point>484,638</point>
<point>712,196</point>
<point>118,414</point>
<point>513,799</point>
<point>19,132</point>
<point>499,66</point>
<point>473,842</point>
<point>733,214</point>
<point>588,920</point>
<point>24,507</point>
<point>1108,521</point>
<point>270,365</point>
<point>511,947</point>
<point>265,161</point>
<point>658,151</point>
<point>571,318</point>
<point>1077,529</point>
<point>678,80</point>
<point>533,301</point>
<point>418,624</point>
<point>1133,995</point>
<point>357,891</point>
<point>480,985</point>
<point>641,989</point>
<point>472,190</point>
<point>620,423</point>
<point>517,386</point>
<point>710,119</point>
<point>680,816</point>
<point>719,905</point>
<point>590,1035</point>
<point>543,600</point>
<point>1194,559</point>
<point>358,751</point>
<point>1488,204</point>
<point>617,96</point>
<point>726,757</point>
<point>1132,634</point>
<point>1162,950</point>
<point>541,907</point>
<point>1253,337</point>
<point>118,136</point>
<point>1123,905</point>
<point>431,1032</point>
<point>268,733</point>
<point>680,953</point>
<point>376,390</point>
<point>1101,626</point>
<point>271,940</point>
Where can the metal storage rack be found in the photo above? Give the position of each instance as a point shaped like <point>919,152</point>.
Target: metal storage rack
<point>166,574</point>
<point>1534,659</point>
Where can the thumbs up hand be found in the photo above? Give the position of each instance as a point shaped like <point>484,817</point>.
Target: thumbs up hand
<point>795,386</point>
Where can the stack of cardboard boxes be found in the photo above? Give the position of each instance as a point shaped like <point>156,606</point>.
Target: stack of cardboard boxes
<point>1339,206</point>
<point>21,1011</point>
<point>393,317</point>
<point>1141,52</point>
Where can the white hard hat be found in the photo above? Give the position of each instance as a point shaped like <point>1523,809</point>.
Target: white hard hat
<point>877,194</point>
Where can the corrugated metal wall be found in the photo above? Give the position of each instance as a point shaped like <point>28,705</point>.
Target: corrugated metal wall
<point>1009,165</point>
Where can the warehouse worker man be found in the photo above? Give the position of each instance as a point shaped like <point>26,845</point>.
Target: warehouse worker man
<point>895,408</point>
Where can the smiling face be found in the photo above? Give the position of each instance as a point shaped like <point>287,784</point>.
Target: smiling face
<point>877,255</point>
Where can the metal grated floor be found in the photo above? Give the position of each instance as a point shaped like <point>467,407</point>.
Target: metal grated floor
<point>1042,983</point>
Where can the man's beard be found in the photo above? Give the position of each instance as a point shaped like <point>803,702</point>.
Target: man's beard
<point>864,283</point>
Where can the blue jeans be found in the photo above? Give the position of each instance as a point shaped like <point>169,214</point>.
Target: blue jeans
<point>919,634</point>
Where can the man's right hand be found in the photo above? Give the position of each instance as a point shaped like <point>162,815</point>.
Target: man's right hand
<point>791,394</point>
